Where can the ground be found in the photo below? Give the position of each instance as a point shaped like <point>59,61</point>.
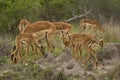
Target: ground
<point>64,67</point>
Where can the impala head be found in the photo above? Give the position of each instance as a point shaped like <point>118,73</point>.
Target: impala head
<point>99,42</point>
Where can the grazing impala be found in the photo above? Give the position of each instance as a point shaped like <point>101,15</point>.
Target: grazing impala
<point>28,40</point>
<point>91,24</point>
<point>77,41</point>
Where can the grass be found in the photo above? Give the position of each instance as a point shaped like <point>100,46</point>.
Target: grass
<point>112,33</point>
<point>32,71</point>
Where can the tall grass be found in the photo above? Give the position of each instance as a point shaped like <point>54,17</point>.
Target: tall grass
<point>112,33</point>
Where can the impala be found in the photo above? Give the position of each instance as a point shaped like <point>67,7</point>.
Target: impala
<point>91,24</point>
<point>39,28</point>
<point>62,26</point>
<point>43,29</point>
<point>77,41</point>
<point>28,40</point>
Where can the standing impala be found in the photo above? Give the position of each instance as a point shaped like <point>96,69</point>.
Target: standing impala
<point>77,41</point>
<point>91,24</point>
<point>93,27</point>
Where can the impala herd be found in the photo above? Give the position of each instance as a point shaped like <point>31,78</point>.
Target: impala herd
<point>32,34</point>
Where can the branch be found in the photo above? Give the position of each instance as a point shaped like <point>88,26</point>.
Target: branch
<point>74,18</point>
<point>80,16</point>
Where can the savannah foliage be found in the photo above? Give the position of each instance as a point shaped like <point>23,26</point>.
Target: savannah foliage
<point>11,11</point>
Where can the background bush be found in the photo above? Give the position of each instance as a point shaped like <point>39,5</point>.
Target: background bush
<point>11,11</point>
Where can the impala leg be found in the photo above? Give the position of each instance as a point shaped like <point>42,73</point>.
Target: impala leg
<point>95,56</point>
<point>77,48</point>
<point>40,47</point>
<point>20,56</point>
<point>35,52</point>
<point>27,51</point>
<point>36,44</point>
<point>88,55</point>
<point>75,51</point>
<point>16,57</point>
<point>20,53</point>
<point>19,48</point>
<point>80,51</point>
<point>49,39</point>
<point>42,51</point>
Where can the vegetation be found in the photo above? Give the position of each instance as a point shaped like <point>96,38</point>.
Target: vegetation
<point>12,11</point>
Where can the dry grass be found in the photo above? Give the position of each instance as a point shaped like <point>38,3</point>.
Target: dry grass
<point>6,42</point>
<point>112,32</point>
